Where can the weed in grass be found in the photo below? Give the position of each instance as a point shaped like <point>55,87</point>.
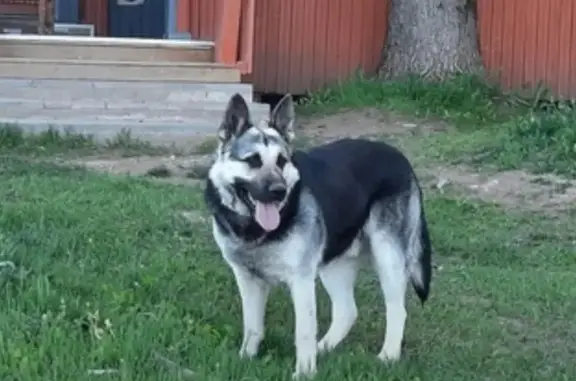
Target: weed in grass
<point>546,141</point>
<point>125,143</point>
<point>15,140</point>
<point>159,171</point>
<point>206,147</point>
<point>114,285</point>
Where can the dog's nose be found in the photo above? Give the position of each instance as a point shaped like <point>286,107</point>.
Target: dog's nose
<point>277,191</point>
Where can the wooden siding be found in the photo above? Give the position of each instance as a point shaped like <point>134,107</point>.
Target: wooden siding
<point>204,19</point>
<point>524,42</point>
<point>302,45</point>
<point>199,18</point>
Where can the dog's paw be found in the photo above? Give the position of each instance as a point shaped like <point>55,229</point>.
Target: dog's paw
<point>305,369</point>
<point>300,375</point>
<point>248,351</point>
<point>250,344</point>
<point>325,346</point>
<point>246,355</point>
<point>389,356</point>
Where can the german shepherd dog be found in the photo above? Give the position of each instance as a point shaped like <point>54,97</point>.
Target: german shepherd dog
<point>282,216</point>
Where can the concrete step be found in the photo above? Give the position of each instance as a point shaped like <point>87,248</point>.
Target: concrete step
<point>146,124</point>
<point>91,107</point>
<point>104,48</point>
<point>117,70</point>
<point>89,104</point>
<point>114,93</point>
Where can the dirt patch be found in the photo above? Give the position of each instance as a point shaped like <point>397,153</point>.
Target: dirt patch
<point>365,123</point>
<point>546,193</point>
<point>509,188</point>
<point>187,170</point>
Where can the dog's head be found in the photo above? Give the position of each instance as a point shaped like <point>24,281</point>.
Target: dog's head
<point>253,171</point>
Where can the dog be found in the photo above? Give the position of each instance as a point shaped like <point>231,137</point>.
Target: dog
<point>283,216</point>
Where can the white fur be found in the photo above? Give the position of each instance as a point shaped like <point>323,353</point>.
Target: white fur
<point>287,262</point>
<point>390,265</point>
<point>338,279</point>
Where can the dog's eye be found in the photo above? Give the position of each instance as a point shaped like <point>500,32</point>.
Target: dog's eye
<point>254,161</point>
<point>281,161</point>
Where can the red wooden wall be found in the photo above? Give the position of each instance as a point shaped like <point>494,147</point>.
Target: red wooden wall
<point>529,41</point>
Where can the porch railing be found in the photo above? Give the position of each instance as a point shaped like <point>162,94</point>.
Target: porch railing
<point>233,30</point>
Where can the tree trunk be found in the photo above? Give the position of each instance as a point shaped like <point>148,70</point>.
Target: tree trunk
<point>431,38</point>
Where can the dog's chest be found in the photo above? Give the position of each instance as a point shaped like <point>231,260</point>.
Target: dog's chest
<point>273,262</point>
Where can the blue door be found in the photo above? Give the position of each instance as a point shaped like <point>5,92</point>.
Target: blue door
<point>137,18</point>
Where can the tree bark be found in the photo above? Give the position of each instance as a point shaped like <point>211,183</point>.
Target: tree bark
<point>434,39</point>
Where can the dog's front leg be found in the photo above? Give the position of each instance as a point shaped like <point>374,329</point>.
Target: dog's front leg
<point>254,293</point>
<point>303,292</point>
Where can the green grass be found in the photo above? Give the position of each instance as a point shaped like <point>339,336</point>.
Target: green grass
<point>489,127</point>
<point>100,273</point>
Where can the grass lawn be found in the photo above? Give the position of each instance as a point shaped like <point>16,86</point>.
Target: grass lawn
<point>100,275</point>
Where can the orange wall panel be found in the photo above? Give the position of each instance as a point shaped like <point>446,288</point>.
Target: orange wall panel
<point>95,12</point>
<point>302,45</point>
<point>524,42</point>
<point>204,19</point>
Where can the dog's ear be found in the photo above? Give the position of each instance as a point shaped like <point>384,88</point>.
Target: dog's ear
<point>236,118</point>
<point>282,117</point>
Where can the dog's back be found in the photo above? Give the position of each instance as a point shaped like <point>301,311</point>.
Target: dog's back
<point>349,178</point>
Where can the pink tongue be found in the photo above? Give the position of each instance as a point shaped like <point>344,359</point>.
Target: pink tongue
<point>267,216</point>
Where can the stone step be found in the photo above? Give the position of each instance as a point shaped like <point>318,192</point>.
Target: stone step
<point>117,70</point>
<point>105,124</point>
<point>88,104</point>
<point>45,107</point>
<point>138,114</point>
<point>14,91</point>
<point>104,48</point>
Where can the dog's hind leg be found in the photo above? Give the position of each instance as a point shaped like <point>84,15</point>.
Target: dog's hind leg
<point>390,264</point>
<point>254,294</point>
<point>338,278</point>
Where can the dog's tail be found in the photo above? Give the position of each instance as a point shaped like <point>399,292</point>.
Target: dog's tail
<point>419,248</point>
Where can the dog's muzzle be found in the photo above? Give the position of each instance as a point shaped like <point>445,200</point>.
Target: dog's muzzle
<point>265,192</point>
<point>266,199</point>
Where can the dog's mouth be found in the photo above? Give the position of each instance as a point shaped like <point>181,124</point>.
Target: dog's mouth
<point>266,212</point>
